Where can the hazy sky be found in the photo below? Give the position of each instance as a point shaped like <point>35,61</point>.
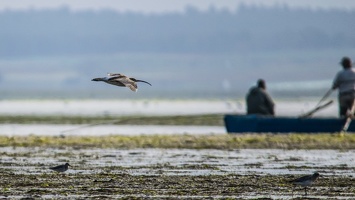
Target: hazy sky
<point>149,6</point>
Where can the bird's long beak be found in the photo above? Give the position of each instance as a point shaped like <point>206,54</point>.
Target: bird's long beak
<point>143,82</point>
<point>97,79</point>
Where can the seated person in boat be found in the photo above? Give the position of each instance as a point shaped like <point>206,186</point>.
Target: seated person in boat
<point>344,81</point>
<point>259,101</point>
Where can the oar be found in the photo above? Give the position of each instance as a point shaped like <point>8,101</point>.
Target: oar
<point>349,118</point>
<point>316,109</point>
<point>318,106</point>
<point>325,96</point>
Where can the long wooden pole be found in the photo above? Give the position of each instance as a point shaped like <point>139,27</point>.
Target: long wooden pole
<point>316,109</point>
<point>325,96</point>
<point>318,106</point>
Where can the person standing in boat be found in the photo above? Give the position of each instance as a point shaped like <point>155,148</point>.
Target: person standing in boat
<point>344,81</point>
<point>259,101</point>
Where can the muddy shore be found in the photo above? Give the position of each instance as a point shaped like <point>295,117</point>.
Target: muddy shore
<point>224,166</point>
<point>99,173</point>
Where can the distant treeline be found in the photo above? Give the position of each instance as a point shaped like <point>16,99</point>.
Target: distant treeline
<point>61,31</point>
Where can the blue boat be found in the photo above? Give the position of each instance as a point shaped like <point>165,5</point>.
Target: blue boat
<point>266,124</point>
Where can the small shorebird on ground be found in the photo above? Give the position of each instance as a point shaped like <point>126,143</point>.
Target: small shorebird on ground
<point>121,80</point>
<point>305,181</point>
<point>60,168</point>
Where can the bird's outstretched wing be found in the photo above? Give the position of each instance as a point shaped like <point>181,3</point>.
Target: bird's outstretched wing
<point>116,75</point>
<point>133,87</point>
<point>129,83</point>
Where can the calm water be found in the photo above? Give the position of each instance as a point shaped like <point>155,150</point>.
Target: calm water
<point>152,107</point>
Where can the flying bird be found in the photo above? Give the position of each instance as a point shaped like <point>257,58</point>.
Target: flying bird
<point>121,80</point>
<point>305,181</point>
<point>61,168</point>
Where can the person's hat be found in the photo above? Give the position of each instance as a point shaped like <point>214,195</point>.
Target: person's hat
<point>261,83</point>
<point>345,61</point>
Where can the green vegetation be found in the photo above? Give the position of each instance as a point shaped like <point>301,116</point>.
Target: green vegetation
<point>211,120</point>
<point>227,141</point>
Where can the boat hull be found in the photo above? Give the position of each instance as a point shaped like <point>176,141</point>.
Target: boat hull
<point>263,124</point>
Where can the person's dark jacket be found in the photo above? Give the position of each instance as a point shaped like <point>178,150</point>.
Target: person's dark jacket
<point>259,102</point>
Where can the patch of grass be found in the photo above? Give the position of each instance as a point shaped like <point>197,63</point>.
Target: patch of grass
<point>210,120</point>
<point>227,141</point>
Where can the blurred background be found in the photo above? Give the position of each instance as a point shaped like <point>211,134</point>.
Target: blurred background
<point>186,49</point>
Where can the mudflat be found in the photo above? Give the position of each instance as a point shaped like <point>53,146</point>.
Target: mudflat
<point>170,173</point>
